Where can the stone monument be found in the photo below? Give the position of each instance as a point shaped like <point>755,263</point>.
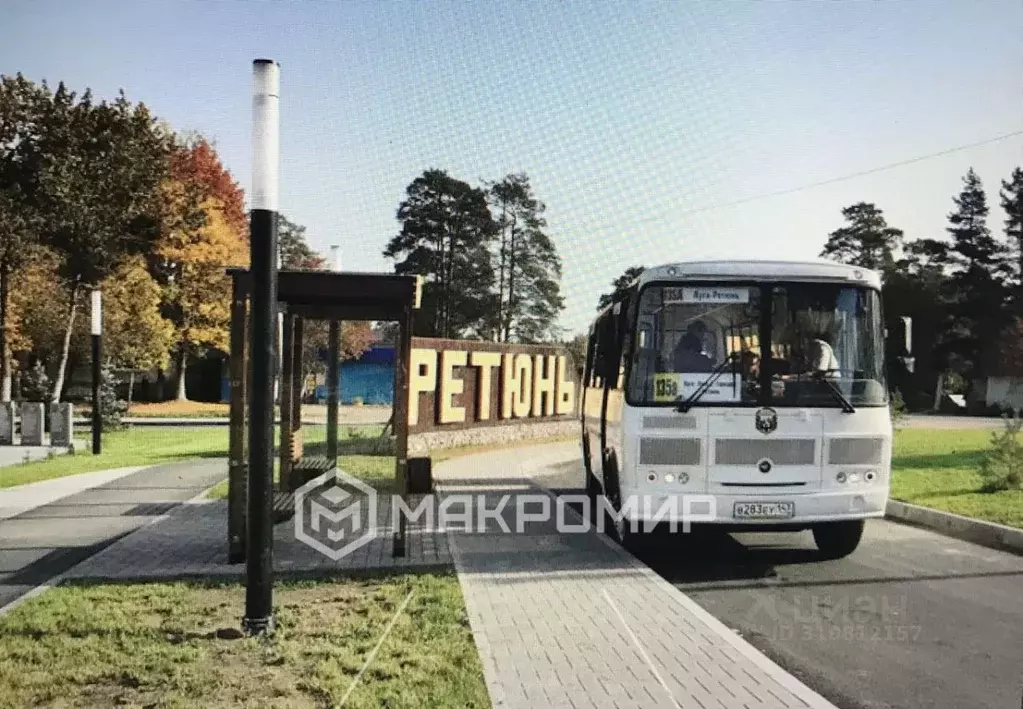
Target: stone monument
<point>6,423</point>
<point>61,431</point>
<point>32,424</point>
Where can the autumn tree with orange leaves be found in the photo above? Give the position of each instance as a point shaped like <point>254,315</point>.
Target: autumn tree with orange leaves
<point>202,233</point>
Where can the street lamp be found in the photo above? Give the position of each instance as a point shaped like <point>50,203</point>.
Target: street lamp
<point>97,353</point>
<point>259,619</point>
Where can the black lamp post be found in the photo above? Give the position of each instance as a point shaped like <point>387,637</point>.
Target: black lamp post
<point>97,354</point>
<point>259,618</point>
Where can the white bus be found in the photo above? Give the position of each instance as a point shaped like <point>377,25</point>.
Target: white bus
<point>758,385</point>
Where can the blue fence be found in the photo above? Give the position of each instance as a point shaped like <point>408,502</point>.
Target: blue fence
<point>369,378</point>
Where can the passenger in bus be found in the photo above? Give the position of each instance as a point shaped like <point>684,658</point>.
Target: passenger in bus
<point>822,358</point>
<point>750,364</point>
<point>689,357</point>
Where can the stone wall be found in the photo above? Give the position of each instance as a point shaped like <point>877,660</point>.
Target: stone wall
<point>420,444</point>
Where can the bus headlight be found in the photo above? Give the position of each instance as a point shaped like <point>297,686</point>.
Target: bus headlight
<point>669,478</point>
<point>840,477</point>
<point>683,478</point>
<point>869,476</point>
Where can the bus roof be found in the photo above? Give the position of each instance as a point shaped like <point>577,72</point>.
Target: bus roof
<point>809,270</point>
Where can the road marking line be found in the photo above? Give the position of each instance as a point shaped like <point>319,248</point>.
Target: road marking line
<point>380,642</point>
<point>639,647</point>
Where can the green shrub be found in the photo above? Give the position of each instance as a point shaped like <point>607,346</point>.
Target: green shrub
<point>35,385</point>
<point>1002,466</point>
<point>111,408</point>
<point>898,407</point>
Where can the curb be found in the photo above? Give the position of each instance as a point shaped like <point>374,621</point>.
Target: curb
<point>987,534</point>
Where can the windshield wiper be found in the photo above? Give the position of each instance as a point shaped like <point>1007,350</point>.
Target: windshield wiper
<point>837,394</point>
<point>707,384</point>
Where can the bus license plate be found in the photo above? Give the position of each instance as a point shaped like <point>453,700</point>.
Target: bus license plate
<point>763,510</point>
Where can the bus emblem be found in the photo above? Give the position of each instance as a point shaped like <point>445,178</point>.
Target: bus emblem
<point>766,420</point>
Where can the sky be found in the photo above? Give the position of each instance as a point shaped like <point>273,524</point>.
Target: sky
<point>639,124</point>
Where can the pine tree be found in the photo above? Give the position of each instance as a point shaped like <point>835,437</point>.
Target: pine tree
<point>446,234</point>
<point>619,285</point>
<point>1012,203</point>
<point>529,268</point>
<point>980,270</point>
<point>866,240</point>
<point>295,251</point>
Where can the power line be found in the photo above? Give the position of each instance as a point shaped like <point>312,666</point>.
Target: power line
<point>843,178</point>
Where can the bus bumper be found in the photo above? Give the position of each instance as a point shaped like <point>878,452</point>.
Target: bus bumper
<point>780,510</point>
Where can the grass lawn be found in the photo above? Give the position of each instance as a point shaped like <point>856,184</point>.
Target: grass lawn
<point>938,468</point>
<point>121,449</point>
<point>178,645</point>
<point>140,446</point>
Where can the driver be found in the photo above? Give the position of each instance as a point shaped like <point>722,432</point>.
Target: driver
<point>699,329</point>
<point>689,357</point>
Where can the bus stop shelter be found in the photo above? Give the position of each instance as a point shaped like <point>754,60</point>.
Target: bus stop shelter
<point>302,295</point>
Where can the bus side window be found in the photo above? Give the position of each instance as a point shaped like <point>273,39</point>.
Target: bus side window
<point>595,369</point>
<point>608,351</point>
<point>588,366</point>
<point>623,335</point>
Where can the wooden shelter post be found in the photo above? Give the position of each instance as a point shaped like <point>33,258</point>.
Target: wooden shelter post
<point>297,439</point>
<point>403,356</point>
<point>237,481</point>
<point>333,387</point>
<point>287,380</point>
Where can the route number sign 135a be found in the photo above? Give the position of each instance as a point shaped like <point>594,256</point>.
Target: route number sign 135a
<point>665,386</point>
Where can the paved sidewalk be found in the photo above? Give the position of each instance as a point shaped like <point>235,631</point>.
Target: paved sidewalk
<point>19,454</point>
<point>22,498</point>
<point>572,620</point>
<point>50,539</point>
<point>191,542</point>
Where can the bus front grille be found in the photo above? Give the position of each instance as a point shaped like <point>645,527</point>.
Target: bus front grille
<point>745,451</point>
<point>855,451</point>
<point>669,451</point>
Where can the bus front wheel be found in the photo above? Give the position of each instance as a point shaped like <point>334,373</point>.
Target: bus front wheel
<point>836,540</point>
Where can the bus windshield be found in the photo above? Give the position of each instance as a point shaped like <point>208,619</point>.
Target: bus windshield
<point>826,345</point>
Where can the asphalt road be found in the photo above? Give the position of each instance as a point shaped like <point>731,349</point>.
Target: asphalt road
<point>911,620</point>
<point>37,545</point>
